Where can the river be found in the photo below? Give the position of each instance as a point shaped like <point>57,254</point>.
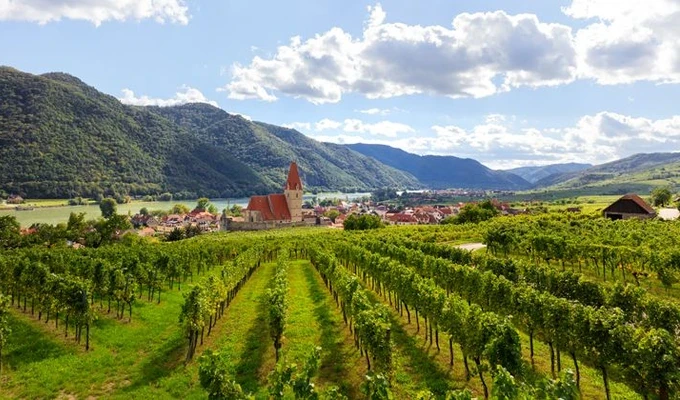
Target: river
<point>55,215</point>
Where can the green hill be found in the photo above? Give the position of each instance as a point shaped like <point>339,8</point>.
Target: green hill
<point>638,173</point>
<point>60,137</point>
<point>268,149</point>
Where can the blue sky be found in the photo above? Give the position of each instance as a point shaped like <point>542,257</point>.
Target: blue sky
<point>509,82</point>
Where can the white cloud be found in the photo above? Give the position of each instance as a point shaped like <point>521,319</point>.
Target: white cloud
<point>326,124</point>
<point>382,128</point>
<point>480,55</point>
<point>597,138</point>
<point>628,40</point>
<point>184,96</point>
<point>94,11</point>
<point>375,111</point>
<point>300,126</point>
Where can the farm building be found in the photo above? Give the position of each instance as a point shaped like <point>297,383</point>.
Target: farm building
<point>629,206</point>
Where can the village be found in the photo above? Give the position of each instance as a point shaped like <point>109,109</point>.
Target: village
<point>289,210</point>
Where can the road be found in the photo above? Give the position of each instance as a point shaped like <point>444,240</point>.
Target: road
<point>471,246</point>
<point>669,213</point>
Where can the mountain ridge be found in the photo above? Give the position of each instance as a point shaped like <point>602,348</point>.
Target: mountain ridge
<point>60,137</point>
<point>442,172</point>
<point>534,174</point>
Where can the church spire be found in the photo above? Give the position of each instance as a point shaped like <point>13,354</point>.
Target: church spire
<point>293,182</point>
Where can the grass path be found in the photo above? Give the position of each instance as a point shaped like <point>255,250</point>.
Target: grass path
<point>313,321</point>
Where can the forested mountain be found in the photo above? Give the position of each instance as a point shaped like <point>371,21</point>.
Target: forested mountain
<point>535,174</point>
<point>637,173</point>
<point>268,149</point>
<point>60,137</point>
<point>441,172</point>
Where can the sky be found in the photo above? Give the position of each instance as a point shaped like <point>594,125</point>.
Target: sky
<point>507,82</point>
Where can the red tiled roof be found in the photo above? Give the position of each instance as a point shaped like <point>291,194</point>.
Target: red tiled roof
<point>280,206</point>
<point>293,182</point>
<point>273,207</point>
<point>401,217</point>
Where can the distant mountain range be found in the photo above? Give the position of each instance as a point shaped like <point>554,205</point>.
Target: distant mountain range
<point>637,173</point>
<point>441,172</point>
<point>60,138</point>
<point>535,174</point>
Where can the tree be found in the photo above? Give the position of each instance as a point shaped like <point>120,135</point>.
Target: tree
<point>165,197</point>
<point>384,194</point>
<point>144,211</point>
<point>363,222</point>
<point>332,214</point>
<point>179,209</point>
<point>76,226</point>
<point>474,213</point>
<point>235,211</point>
<point>5,329</point>
<point>10,232</point>
<point>108,207</point>
<point>203,204</point>
<point>661,196</point>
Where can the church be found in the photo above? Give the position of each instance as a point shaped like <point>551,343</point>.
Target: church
<point>278,208</point>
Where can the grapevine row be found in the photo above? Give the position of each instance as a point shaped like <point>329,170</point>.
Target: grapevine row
<point>206,302</point>
<point>601,335</point>
<point>482,336</point>
<point>639,307</point>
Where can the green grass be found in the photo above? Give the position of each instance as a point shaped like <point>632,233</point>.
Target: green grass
<point>141,359</point>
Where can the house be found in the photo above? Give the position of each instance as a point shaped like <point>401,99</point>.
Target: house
<point>629,206</point>
<point>279,207</point>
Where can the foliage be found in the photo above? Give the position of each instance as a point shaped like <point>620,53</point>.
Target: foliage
<point>235,211</point>
<point>287,376</point>
<point>661,196</point>
<point>61,139</point>
<point>5,329</point>
<point>180,209</point>
<point>165,196</point>
<point>376,386</point>
<point>108,207</point>
<point>216,380</point>
<point>362,222</point>
<point>384,194</point>
<point>77,201</point>
<point>277,304</point>
<point>10,232</point>
<point>332,214</point>
<point>202,204</point>
<point>474,213</point>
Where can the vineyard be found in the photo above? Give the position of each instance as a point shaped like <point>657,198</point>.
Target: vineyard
<point>556,306</point>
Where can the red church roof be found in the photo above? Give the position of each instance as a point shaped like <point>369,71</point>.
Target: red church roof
<point>273,207</point>
<point>293,182</point>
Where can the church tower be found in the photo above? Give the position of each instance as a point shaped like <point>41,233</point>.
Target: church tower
<point>293,192</point>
